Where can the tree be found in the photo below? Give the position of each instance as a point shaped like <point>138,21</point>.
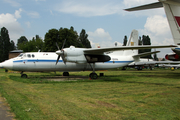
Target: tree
<point>54,36</point>
<point>84,39</point>
<point>12,45</point>
<point>21,42</point>
<point>145,41</point>
<point>32,45</point>
<point>155,57</point>
<point>140,43</point>
<point>51,37</point>
<point>125,40</point>
<point>1,50</point>
<point>5,42</point>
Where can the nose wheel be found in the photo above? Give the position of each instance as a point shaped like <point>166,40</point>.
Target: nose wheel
<point>23,76</point>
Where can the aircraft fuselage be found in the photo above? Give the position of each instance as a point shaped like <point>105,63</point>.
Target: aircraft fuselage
<point>46,61</point>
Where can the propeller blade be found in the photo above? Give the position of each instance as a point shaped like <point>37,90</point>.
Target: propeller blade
<point>63,59</point>
<point>57,46</point>
<point>63,44</point>
<point>58,59</point>
<point>60,52</point>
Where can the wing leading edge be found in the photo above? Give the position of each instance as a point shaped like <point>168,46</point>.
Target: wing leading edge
<point>102,50</point>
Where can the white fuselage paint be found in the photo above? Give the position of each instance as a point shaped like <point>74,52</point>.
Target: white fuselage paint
<point>46,61</point>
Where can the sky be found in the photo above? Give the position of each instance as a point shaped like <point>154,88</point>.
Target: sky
<point>105,21</point>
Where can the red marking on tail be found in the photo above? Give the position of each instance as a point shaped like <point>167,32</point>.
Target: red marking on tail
<point>178,20</point>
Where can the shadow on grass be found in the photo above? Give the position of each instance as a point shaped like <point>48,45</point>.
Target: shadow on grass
<point>65,79</point>
<point>123,78</point>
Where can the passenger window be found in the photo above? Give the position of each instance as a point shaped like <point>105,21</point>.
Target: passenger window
<point>33,55</point>
<point>29,55</point>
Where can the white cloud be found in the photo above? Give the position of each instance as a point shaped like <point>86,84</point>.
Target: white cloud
<point>39,0</point>
<point>103,7</point>
<point>13,3</point>
<point>157,28</point>
<point>158,25</point>
<point>10,22</point>
<point>28,24</point>
<point>33,14</point>
<point>88,8</point>
<point>17,13</point>
<point>100,36</point>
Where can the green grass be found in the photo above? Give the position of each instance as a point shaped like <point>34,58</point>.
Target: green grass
<point>126,95</point>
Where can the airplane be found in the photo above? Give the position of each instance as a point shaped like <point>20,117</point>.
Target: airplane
<point>172,10</point>
<point>143,62</point>
<point>172,66</point>
<point>79,59</point>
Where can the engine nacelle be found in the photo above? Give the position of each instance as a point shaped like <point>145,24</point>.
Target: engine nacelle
<point>97,58</point>
<point>77,55</point>
<point>76,59</point>
<point>173,57</point>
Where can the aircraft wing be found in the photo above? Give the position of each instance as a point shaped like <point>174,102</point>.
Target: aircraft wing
<point>144,7</point>
<point>102,50</point>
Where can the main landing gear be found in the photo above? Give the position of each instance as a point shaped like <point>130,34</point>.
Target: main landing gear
<point>23,75</point>
<point>93,75</point>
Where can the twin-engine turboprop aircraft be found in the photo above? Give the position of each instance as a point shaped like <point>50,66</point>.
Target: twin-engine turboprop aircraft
<point>79,59</point>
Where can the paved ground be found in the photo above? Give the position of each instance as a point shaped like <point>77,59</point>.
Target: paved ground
<point>4,110</point>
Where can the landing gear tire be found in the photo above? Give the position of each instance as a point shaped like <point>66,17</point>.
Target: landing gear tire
<point>93,76</point>
<point>139,68</point>
<point>65,73</point>
<point>23,76</point>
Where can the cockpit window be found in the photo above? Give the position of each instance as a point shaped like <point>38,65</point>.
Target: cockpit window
<point>33,55</point>
<point>20,55</point>
<point>29,55</point>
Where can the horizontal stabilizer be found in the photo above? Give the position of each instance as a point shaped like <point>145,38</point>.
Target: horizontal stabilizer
<point>146,53</point>
<point>144,7</point>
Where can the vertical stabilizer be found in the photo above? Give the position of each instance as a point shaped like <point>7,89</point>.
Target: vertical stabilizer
<point>133,41</point>
<point>172,10</point>
<point>173,16</point>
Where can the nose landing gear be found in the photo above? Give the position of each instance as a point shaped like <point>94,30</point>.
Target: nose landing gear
<point>23,75</point>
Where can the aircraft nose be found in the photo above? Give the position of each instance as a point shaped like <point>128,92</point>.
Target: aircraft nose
<point>1,65</point>
<point>8,64</point>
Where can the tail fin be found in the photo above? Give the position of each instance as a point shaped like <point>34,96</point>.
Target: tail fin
<point>173,16</point>
<point>133,41</point>
<point>172,8</point>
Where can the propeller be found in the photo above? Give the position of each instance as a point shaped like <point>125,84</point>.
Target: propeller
<point>61,52</point>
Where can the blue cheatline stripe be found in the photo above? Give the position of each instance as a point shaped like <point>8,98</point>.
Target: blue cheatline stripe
<point>119,61</point>
<point>36,61</point>
<point>177,48</point>
<point>18,61</point>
